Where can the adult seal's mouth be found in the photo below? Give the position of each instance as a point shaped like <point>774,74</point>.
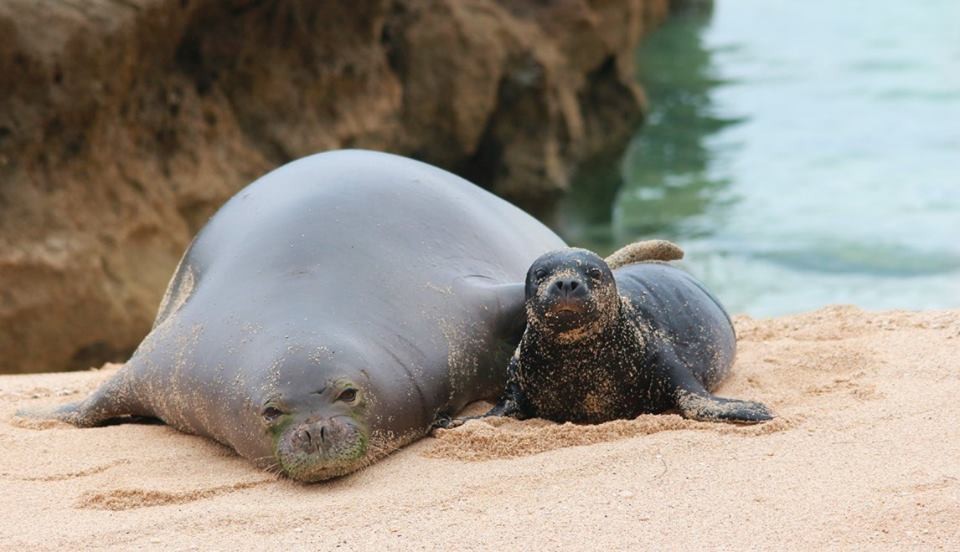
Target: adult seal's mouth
<point>321,448</point>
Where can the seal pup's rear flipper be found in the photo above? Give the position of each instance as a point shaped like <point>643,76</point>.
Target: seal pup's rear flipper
<point>644,252</point>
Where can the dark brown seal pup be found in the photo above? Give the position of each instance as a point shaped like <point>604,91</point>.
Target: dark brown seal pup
<point>603,345</point>
<point>330,312</point>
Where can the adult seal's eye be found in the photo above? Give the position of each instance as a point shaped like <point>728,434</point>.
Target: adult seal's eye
<point>540,274</point>
<point>595,273</point>
<point>348,395</point>
<point>271,413</point>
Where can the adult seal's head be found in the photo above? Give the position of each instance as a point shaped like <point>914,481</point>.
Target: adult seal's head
<point>571,293</point>
<point>313,429</point>
<point>326,406</point>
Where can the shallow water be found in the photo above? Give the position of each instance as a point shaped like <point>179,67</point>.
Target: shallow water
<point>803,153</point>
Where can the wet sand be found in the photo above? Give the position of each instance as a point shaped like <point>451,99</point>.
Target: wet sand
<point>864,453</point>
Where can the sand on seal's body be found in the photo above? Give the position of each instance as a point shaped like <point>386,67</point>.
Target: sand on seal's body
<point>864,454</point>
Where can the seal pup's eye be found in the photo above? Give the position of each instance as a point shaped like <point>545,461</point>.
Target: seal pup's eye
<point>271,413</point>
<point>540,274</point>
<point>594,273</point>
<point>348,395</point>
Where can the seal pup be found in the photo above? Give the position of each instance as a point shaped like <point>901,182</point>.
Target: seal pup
<point>604,344</point>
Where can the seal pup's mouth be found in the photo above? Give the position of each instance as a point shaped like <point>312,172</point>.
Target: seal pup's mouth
<point>567,310</point>
<point>567,306</point>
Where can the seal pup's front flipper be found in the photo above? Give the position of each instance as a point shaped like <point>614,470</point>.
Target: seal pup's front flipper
<point>696,403</point>
<point>506,407</point>
<point>510,404</point>
<point>644,252</point>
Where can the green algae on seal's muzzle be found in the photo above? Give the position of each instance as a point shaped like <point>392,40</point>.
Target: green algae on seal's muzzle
<point>320,447</point>
<point>317,435</point>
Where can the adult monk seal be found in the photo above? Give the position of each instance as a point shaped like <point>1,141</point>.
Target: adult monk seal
<point>330,311</point>
<point>602,345</point>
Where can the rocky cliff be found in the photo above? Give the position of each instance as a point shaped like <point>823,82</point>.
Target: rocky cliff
<point>124,124</point>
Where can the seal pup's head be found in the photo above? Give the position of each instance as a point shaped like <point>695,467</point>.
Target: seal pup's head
<point>571,294</point>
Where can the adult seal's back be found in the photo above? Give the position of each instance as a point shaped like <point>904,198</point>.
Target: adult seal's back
<point>330,312</point>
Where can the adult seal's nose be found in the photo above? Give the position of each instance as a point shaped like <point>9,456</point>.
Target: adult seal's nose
<point>312,436</point>
<point>320,434</point>
<point>568,287</point>
<point>302,439</point>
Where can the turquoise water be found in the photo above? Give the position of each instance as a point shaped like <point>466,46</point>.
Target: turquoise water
<point>803,153</point>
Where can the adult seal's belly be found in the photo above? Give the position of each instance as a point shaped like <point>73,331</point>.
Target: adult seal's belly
<point>330,312</point>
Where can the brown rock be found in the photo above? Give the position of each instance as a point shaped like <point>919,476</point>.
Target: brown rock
<point>124,125</point>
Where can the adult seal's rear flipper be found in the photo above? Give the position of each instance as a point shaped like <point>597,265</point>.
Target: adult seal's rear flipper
<point>644,252</point>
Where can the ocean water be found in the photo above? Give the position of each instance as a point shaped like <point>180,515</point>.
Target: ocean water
<point>802,153</point>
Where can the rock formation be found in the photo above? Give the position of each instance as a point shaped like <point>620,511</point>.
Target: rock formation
<point>124,124</point>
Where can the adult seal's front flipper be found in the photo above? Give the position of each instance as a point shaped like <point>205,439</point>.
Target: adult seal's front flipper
<point>503,302</point>
<point>115,400</point>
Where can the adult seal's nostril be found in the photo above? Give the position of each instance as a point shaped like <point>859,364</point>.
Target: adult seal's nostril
<point>314,435</point>
<point>302,440</point>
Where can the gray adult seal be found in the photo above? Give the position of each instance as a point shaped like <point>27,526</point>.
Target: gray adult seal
<point>603,345</point>
<point>330,312</point>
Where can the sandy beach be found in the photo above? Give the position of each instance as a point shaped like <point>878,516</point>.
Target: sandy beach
<point>864,454</point>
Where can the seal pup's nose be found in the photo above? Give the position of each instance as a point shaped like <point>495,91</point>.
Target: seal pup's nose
<point>567,287</point>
